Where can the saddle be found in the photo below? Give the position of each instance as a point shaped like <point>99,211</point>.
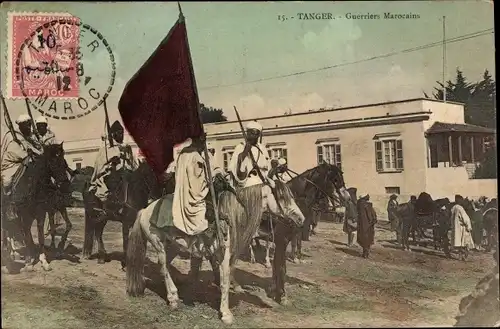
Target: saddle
<point>163,218</point>
<point>425,206</point>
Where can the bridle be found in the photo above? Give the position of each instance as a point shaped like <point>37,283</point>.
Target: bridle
<point>319,189</point>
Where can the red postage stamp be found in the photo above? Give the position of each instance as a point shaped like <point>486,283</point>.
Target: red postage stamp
<point>42,55</point>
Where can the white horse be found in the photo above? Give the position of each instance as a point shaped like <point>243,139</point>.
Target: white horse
<point>242,221</point>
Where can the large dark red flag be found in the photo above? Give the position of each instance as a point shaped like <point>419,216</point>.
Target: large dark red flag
<point>159,105</point>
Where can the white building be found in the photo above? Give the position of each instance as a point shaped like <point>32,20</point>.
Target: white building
<point>403,147</point>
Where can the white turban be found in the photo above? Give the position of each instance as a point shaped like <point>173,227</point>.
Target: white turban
<point>179,147</point>
<point>41,119</point>
<point>254,125</point>
<point>281,161</point>
<point>23,118</point>
<point>209,146</point>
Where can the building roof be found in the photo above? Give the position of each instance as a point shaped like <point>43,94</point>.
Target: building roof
<point>330,110</point>
<point>442,127</point>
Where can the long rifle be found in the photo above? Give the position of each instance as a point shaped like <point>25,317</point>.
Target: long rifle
<point>108,126</point>
<point>205,148</point>
<point>35,131</point>
<point>9,121</point>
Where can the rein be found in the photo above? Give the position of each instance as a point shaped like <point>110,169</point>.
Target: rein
<point>312,183</point>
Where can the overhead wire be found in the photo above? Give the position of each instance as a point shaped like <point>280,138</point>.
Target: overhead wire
<point>404,51</point>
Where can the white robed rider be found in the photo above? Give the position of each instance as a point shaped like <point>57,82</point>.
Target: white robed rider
<point>110,161</point>
<point>17,154</point>
<point>189,206</point>
<point>241,167</point>
<point>47,136</point>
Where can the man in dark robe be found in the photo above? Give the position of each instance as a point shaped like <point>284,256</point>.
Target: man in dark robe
<point>367,218</point>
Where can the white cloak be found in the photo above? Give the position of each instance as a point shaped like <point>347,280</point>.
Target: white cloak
<point>261,156</point>
<point>191,189</point>
<point>461,227</point>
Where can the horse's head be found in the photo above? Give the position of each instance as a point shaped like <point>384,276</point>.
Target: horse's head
<point>335,176</point>
<point>280,202</point>
<point>145,182</point>
<point>53,154</point>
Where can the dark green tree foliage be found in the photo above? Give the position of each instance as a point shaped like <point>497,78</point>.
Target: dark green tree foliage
<point>480,109</point>
<point>479,98</point>
<point>488,167</point>
<point>210,114</point>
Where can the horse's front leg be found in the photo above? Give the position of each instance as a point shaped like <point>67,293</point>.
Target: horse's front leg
<point>225,282</point>
<point>277,289</point>
<point>268,247</point>
<point>252,254</point>
<point>194,274</point>
<point>99,229</point>
<point>64,214</point>
<point>52,228</point>
<point>172,296</point>
<point>40,222</point>
<point>295,241</point>
<point>125,231</point>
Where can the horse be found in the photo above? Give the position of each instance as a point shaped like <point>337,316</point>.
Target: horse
<point>136,188</point>
<point>490,223</point>
<point>30,198</point>
<point>415,218</point>
<point>241,221</point>
<point>308,188</point>
<point>57,204</point>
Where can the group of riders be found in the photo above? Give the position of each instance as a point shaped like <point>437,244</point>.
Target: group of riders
<point>249,165</point>
<point>446,216</point>
<point>115,158</point>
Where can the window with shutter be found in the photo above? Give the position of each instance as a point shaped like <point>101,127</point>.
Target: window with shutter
<point>389,155</point>
<point>399,154</point>
<point>338,158</point>
<point>226,156</point>
<point>320,154</point>
<point>379,157</point>
<point>285,154</point>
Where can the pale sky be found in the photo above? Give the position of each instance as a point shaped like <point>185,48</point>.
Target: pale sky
<point>232,43</point>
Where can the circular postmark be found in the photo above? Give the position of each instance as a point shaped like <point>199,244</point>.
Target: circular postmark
<point>65,68</point>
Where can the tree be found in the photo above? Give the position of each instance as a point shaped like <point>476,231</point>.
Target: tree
<point>487,169</point>
<point>210,114</point>
<point>479,98</point>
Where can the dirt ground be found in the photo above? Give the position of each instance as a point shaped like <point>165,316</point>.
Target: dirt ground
<point>334,287</point>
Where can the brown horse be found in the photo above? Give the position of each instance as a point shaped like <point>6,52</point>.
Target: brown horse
<point>136,187</point>
<point>490,223</point>
<point>308,188</point>
<point>30,198</point>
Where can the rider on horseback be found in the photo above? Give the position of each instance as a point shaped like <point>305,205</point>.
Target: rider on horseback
<point>112,163</point>
<point>18,153</point>
<point>241,167</point>
<point>191,207</point>
<point>280,167</point>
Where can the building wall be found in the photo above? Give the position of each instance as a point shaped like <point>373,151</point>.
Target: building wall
<point>355,129</point>
<point>446,182</point>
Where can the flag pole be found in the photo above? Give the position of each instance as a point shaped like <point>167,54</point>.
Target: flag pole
<point>205,148</point>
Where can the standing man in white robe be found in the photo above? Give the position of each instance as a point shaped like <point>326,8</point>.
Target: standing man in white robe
<point>241,167</point>
<point>461,230</point>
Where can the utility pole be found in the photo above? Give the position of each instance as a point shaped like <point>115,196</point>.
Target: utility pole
<point>444,59</point>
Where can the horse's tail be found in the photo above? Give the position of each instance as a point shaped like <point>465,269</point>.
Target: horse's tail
<point>136,256</point>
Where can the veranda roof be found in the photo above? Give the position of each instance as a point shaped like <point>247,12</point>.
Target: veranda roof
<point>442,127</point>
